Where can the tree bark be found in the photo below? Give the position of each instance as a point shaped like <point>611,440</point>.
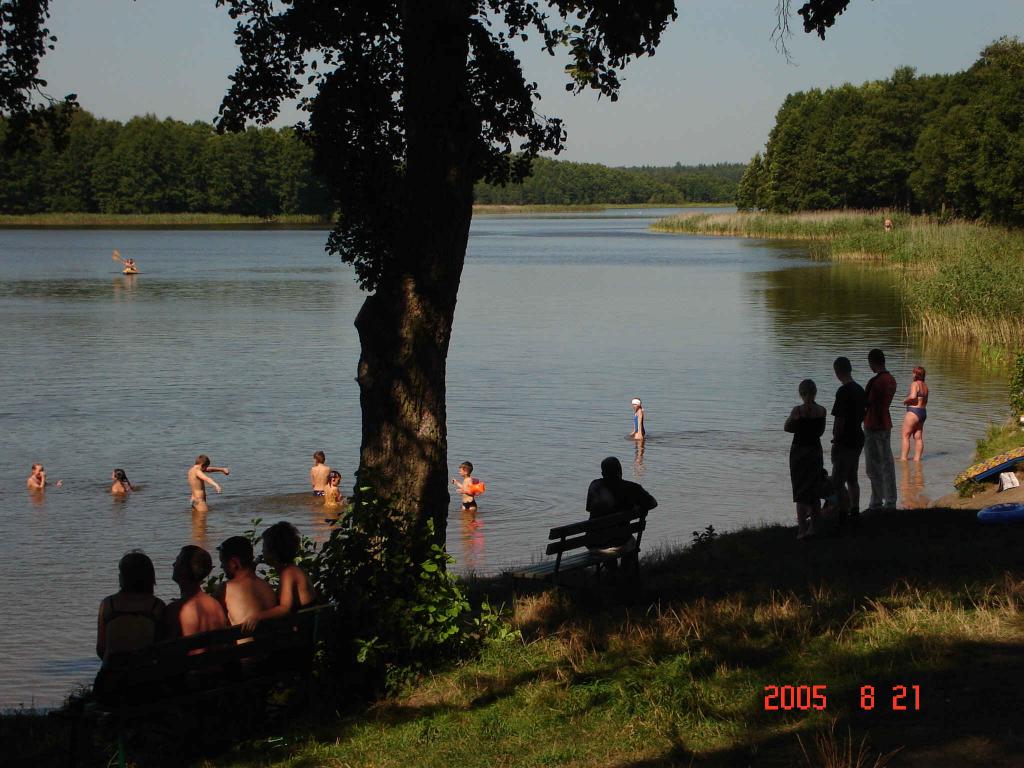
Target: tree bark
<point>405,326</point>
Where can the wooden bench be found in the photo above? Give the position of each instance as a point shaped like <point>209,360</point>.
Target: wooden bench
<point>179,673</point>
<point>565,538</point>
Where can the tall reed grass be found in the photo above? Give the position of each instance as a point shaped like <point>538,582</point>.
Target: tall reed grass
<point>963,280</point>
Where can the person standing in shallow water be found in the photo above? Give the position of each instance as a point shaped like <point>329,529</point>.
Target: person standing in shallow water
<point>639,429</point>
<point>806,422</point>
<point>917,412</point>
<point>879,463</point>
<point>197,480</point>
<point>847,440</point>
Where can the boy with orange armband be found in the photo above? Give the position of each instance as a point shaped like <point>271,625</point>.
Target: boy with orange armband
<point>470,487</point>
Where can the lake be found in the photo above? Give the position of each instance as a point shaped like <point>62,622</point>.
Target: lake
<point>240,345</point>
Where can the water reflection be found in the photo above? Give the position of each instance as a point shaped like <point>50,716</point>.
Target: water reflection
<point>912,495</point>
<point>200,529</point>
<point>638,459</point>
<point>124,287</point>
<point>472,540</point>
<point>847,299</point>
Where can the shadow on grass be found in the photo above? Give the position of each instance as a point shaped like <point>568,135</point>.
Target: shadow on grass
<point>755,603</point>
<point>969,717</point>
<point>786,594</point>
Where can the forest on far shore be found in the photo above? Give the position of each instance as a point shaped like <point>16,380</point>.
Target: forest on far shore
<point>941,144</point>
<point>153,166</point>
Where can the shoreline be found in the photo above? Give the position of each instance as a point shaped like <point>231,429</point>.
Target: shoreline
<point>673,668</point>
<point>958,277</point>
<point>205,221</point>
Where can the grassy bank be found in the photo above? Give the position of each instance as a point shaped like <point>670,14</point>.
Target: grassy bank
<point>672,670</point>
<point>219,220</point>
<point>963,281</point>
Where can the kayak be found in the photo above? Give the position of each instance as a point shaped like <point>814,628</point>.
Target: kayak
<point>1002,513</point>
<point>990,467</point>
<point>130,272</point>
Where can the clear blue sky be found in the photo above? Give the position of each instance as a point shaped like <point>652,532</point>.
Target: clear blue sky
<point>710,94</point>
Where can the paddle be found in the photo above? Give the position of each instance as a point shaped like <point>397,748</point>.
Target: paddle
<point>117,256</point>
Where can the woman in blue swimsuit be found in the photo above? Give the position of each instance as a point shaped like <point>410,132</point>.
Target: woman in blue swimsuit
<point>639,431</point>
<point>917,412</point>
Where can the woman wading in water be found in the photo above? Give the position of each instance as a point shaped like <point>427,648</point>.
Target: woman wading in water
<point>917,412</point>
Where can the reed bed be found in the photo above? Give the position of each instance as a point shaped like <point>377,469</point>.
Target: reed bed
<point>964,281</point>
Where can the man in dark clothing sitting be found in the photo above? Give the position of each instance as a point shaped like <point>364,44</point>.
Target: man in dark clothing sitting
<point>609,495</point>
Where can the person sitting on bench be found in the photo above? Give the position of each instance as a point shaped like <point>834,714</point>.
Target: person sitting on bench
<point>244,594</point>
<point>609,495</point>
<point>129,619</point>
<point>195,611</point>
<point>281,545</point>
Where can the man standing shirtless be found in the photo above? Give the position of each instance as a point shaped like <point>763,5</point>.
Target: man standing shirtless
<point>244,595</point>
<point>197,480</point>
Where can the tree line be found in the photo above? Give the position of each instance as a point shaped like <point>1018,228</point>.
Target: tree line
<point>149,165</point>
<point>564,183</point>
<point>941,144</point>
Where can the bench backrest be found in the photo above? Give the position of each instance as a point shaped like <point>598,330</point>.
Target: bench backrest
<point>293,635</point>
<point>575,535</point>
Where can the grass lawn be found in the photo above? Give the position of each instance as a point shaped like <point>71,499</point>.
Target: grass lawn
<point>672,671</point>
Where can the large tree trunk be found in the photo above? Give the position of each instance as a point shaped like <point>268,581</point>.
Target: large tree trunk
<point>405,327</point>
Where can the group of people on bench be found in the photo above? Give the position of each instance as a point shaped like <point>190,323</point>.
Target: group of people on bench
<point>134,617</point>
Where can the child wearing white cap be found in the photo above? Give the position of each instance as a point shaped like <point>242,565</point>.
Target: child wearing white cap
<point>639,431</point>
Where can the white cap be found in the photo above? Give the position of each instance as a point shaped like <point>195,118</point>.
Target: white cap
<point>635,401</point>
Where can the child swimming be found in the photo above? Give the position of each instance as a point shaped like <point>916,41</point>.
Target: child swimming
<point>469,486</point>
<point>121,484</point>
<point>332,491</point>
<point>37,479</point>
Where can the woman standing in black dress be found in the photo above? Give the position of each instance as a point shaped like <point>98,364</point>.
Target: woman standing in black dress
<point>806,465</point>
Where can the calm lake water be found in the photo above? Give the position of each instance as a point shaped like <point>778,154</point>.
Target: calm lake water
<point>240,345</point>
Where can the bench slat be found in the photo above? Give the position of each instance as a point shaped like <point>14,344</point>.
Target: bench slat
<point>581,541</point>
<point>594,524</point>
<point>571,563</point>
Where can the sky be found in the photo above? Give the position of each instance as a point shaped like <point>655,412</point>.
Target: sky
<point>710,94</point>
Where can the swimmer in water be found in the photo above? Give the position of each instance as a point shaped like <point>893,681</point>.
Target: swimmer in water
<point>37,479</point>
<point>469,486</point>
<point>121,484</point>
<point>639,430</point>
<point>332,491</point>
<point>319,473</point>
<point>197,480</point>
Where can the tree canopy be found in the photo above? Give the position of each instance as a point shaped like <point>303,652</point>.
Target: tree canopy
<point>940,143</point>
<point>148,165</point>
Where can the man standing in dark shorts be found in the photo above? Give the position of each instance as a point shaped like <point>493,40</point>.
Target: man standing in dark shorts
<point>879,463</point>
<point>847,440</point>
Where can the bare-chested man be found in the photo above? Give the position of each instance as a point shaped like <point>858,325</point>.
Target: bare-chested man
<point>244,595</point>
<point>197,480</point>
<point>318,473</point>
<point>195,611</point>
